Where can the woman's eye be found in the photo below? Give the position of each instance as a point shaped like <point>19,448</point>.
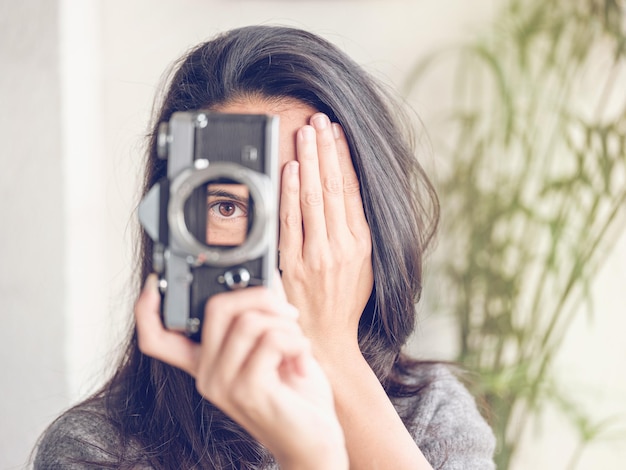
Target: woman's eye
<point>226,210</point>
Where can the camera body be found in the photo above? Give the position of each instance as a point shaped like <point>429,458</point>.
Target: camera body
<point>214,218</point>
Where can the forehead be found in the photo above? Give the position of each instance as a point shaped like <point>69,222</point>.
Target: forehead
<point>290,110</point>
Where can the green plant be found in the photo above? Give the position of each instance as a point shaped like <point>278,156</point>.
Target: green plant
<point>533,188</point>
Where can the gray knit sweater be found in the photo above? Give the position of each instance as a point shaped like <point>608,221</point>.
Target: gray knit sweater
<point>444,421</point>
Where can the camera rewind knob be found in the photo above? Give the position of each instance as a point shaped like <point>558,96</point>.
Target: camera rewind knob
<point>163,140</point>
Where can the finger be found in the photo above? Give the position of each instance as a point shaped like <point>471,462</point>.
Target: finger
<point>290,239</point>
<point>330,176</point>
<point>276,352</point>
<point>240,341</point>
<point>311,196</point>
<point>222,309</point>
<point>355,214</point>
<point>157,342</point>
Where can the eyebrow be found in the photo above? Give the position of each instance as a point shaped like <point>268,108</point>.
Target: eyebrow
<point>227,195</point>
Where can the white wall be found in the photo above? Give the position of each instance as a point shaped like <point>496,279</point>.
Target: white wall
<point>66,295</point>
<point>32,228</point>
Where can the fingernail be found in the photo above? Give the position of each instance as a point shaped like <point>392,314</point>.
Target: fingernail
<point>292,168</point>
<point>151,282</point>
<point>320,121</point>
<point>307,133</point>
<point>336,130</point>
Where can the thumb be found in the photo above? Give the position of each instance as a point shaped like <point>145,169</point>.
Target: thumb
<point>154,340</point>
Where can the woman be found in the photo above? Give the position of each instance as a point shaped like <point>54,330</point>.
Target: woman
<point>309,373</point>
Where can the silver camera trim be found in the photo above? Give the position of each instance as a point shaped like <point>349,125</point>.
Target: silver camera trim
<point>256,243</point>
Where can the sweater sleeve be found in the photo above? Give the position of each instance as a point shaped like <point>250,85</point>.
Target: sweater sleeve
<point>446,424</point>
<point>79,439</point>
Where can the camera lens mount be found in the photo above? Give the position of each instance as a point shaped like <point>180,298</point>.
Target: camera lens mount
<point>184,243</point>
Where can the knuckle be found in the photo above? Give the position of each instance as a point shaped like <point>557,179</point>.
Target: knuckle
<point>271,339</point>
<point>323,263</point>
<point>362,252</point>
<point>207,387</point>
<point>291,220</point>
<point>214,303</point>
<point>239,395</point>
<point>297,274</point>
<point>352,250</point>
<point>333,185</point>
<point>351,185</point>
<point>245,324</point>
<point>364,242</point>
<point>313,198</point>
<point>210,391</point>
<point>263,296</point>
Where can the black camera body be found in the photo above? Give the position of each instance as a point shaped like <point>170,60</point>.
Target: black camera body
<point>214,218</point>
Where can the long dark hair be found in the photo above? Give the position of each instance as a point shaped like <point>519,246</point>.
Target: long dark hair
<point>155,405</point>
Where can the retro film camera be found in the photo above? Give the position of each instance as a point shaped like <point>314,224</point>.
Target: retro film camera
<point>213,219</point>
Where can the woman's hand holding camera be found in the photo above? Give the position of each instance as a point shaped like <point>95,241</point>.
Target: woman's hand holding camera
<point>255,364</point>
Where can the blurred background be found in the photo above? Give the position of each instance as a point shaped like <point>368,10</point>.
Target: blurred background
<point>521,108</point>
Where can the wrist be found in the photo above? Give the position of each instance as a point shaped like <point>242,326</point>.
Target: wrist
<point>345,365</point>
<point>327,453</point>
